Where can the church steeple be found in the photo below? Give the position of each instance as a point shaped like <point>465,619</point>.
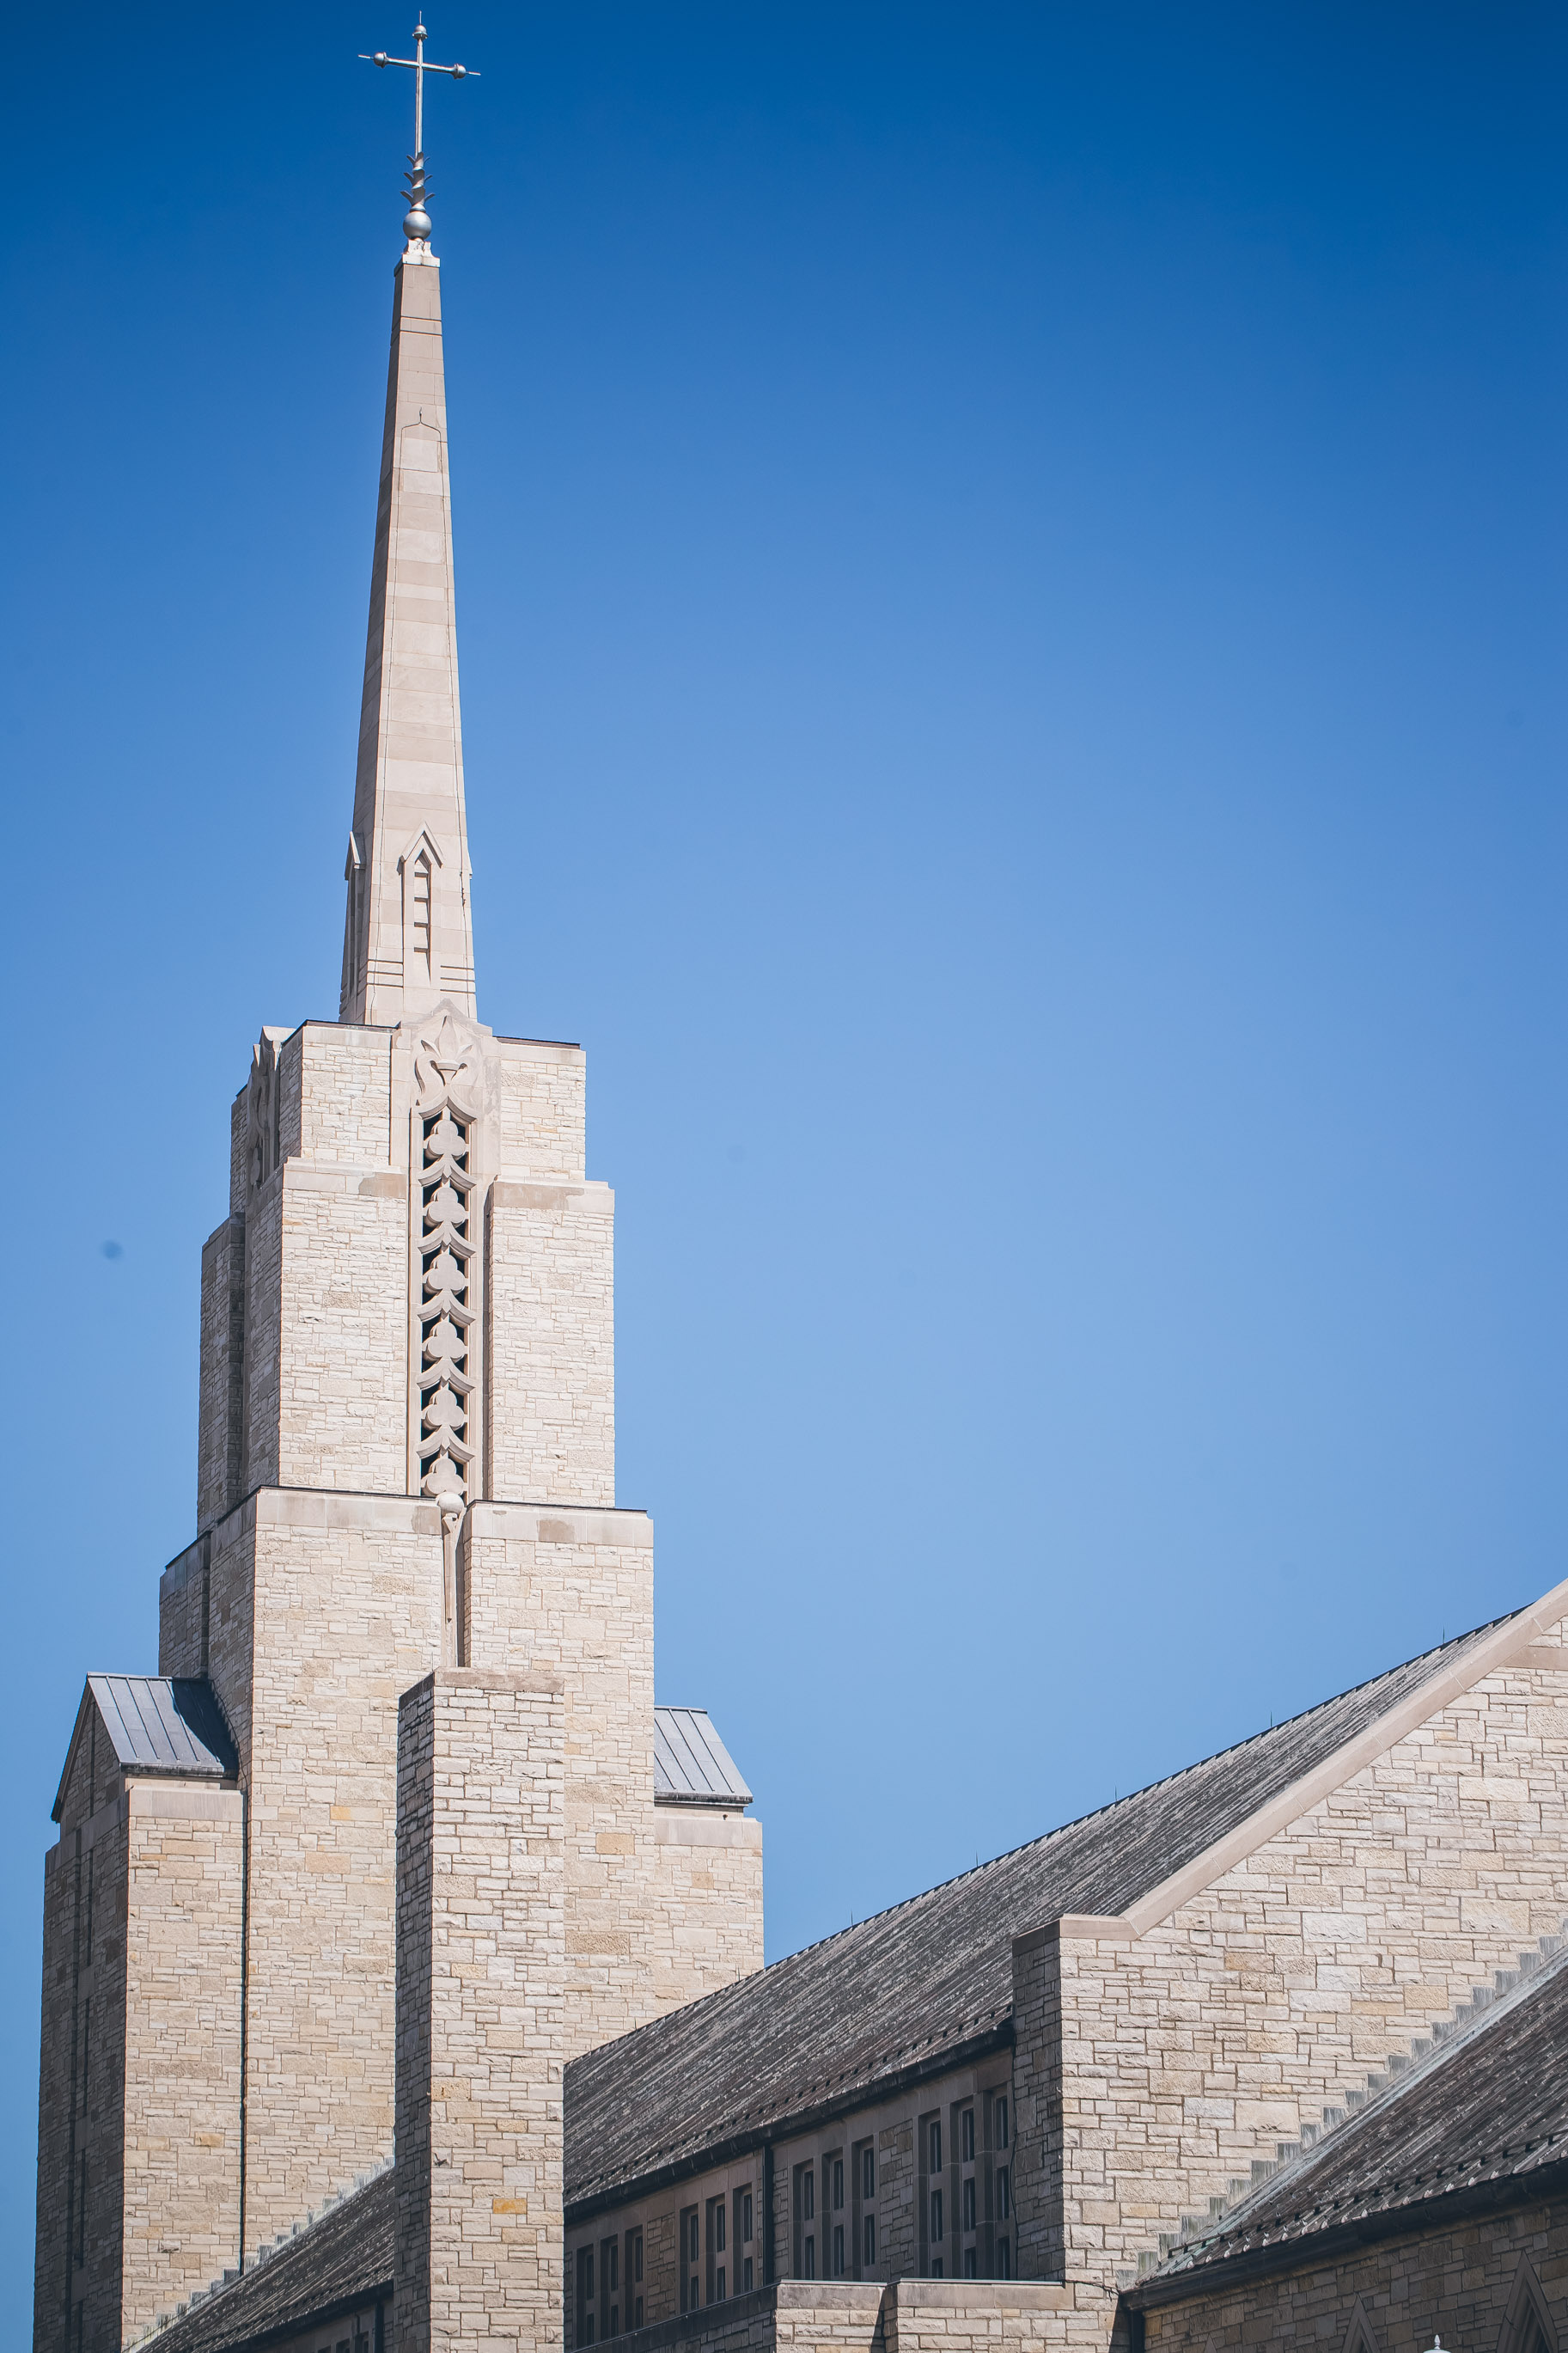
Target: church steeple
<point>408,930</point>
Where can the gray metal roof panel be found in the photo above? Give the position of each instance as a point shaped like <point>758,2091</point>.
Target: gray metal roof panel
<point>691,1766</point>
<point>158,1724</point>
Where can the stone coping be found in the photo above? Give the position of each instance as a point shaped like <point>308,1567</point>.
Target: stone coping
<point>863,2297</point>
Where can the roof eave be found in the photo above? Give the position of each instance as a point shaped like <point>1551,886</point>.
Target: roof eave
<point>1305,2250</point>
<point>725,2151</point>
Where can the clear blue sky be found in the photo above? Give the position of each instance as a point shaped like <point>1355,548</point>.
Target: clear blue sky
<point>1011,595</point>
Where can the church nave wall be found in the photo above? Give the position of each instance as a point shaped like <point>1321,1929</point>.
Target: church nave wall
<point>1161,2064</point>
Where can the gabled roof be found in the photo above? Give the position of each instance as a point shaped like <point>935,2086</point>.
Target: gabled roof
<point>1484,2118</point>
<point>691,1766</point>
<point>158,1724</point>
<point>915,1989</point>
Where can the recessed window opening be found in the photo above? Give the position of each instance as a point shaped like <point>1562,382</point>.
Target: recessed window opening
<point>970,2260</point>
<point>809,2271</point>
<point>745,2216</point>
<point>966,2137</point>
<point>868,2172</point>
<point>807,2195</point>
<point>1002,2120</point>
<point>719,2227</point>
<point>1004,2260</point>
<point>748,2276</point>
<point>969,2202</point>
<point>936,2226</point>
<point>838,2183</point>
<point>718,2289</point>
<point>868,2239</point>
<point>1004,2193</point>
<point>839,2251</point>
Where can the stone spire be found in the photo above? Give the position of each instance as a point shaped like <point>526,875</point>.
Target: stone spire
<point>408,932</point>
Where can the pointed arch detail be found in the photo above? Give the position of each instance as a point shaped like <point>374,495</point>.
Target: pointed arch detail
<point>1527,2323</point>
<point>1360,2336</point>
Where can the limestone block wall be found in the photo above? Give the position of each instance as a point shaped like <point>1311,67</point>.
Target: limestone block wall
<point>1217,2017</point>
<point>481,1914</point>
<point>261,1387</point>
<point>550,1384</point>
<point>220,1435</point>
<point>342,1402</point>
<point>138,2107</point>
<point>1474,2282</point>
<point>181,2062</point>
<point>536,1096</point>
<point>54,2251</point>
<point>323,1609</point>
<point>345,1094</point>
<point>705,1902</point>
<point>573,1596</point>
<point>183,1596</point>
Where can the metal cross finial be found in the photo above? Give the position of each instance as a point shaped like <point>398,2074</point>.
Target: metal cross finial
<point>416,223</point>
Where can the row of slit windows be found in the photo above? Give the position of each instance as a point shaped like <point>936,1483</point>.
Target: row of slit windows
<point>964,2208</point>
<point>966,2190</point>
<point>609,2287</point>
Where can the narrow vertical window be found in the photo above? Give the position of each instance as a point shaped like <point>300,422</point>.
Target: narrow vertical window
<point>839,2251</point>
<point>745,2215</point>
<point>1002,2121</point>
<point>966,2136</point>
<point>719,2228</point>
<point>969,2202</point>
<point>1004,2193</point>
<point>1004,2260</point>
<point>420,897</point>
<point>970,2262</point>
<point>810,2256</point>
<point>936,2146</point>
<point>838,2183</point>
<point>868,2245</point>
<point>748,2276</point>
<point>936,2229</point>
<point>718,2286</point>
<point>868,2172</point>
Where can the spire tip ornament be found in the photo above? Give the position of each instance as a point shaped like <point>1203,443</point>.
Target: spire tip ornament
<point>416,220</point>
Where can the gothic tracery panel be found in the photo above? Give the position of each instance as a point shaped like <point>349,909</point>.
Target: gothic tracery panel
<point>446,1206</point>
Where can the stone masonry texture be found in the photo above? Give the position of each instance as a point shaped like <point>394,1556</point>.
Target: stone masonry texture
<point>1469,2280</point>
<point>481,1918</point>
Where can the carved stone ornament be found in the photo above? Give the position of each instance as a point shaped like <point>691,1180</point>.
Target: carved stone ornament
<point>261,1131</point>
<point>447,1063</point>
<point>444,1200</point>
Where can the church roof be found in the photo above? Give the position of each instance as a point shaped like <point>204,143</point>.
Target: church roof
<point>1484,2120</point>
<point>339,2263</point>
<point>158,1724</point>
<point>691,1766</point>
<point>924,1985</point>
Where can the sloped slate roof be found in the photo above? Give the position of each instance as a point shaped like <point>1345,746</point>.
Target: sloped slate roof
<point>159,1723</point>
<point>691,1766</point>
<point>1488,2110</point>
<point>343,2260</point>
<point>912,1988</point>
